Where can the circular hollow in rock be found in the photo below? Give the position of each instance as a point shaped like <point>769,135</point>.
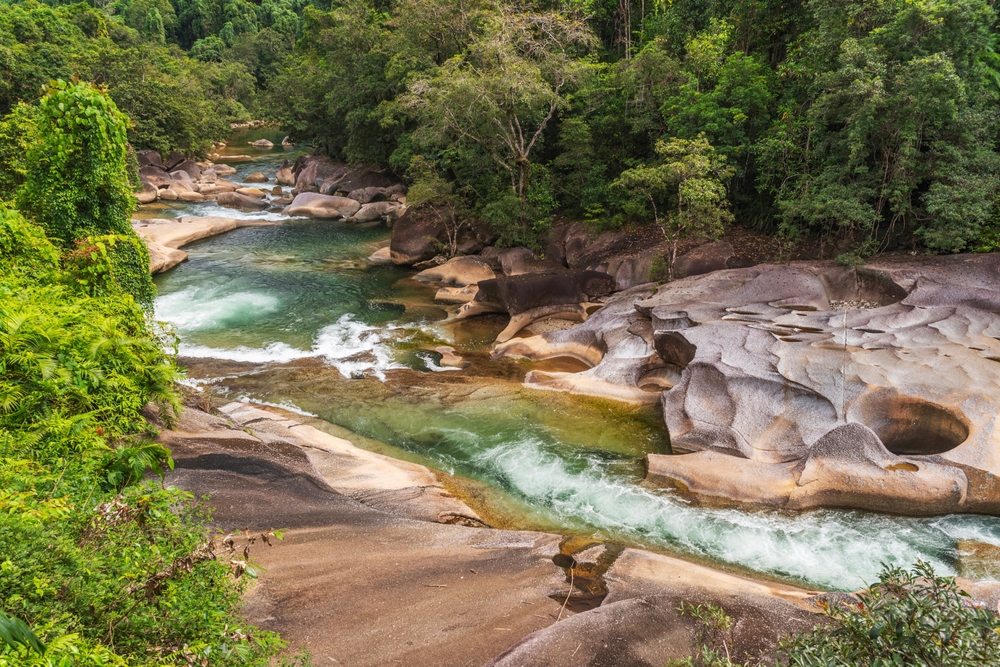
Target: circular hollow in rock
<point>913,426</point>
<point>659,379</point>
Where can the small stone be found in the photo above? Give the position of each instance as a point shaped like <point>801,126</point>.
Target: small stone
<point>449,358</point>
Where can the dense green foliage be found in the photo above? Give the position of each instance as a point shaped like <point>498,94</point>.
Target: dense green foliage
<point>102,567</point>
<point>688,183</point>
<point>77,171</point>
<point>174,101</point>
<point>868,124</point>
<point>865,125</point>
<point>909,618</point>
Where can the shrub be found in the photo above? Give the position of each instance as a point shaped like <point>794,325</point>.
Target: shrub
<point>909,618</point>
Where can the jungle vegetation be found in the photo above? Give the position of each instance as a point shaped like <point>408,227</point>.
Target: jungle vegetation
<point>864,124</point>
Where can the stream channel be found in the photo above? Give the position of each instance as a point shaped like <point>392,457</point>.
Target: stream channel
<point>292,315</point>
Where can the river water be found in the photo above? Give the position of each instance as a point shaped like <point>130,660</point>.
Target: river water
<point>293,316</point>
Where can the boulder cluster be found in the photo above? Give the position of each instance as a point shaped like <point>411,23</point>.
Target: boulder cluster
<point>320,188</point>
<point>327,189</point>
<point>572,276</point>
<point>809,384</point>
<point>177,178</point>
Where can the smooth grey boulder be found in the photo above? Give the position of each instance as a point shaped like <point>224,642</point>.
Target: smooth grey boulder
<point>810,384</point>
<point>148,193</point>
<point>376,211</point>
<point>314,205</point>
<point>241,201</point>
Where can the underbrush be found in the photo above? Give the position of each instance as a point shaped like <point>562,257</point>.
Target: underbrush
<point>99,565</point>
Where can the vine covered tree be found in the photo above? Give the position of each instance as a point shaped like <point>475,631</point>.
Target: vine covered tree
<point>78,188</point>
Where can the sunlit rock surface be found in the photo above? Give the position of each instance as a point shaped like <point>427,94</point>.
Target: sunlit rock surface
<point>810,384</point>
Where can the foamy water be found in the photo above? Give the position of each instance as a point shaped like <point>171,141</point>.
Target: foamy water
<point>238,300</point>
<point>839,550</point>
<point>354,348</point>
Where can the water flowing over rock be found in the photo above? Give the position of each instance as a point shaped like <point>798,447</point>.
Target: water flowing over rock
<point>788,394</point>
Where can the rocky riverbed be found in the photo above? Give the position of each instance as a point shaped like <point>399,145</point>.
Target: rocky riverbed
<point>783,388</point>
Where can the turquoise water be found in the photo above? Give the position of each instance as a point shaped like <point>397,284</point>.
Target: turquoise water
<point>301,291</point>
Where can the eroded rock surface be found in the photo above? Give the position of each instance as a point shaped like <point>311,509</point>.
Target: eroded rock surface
<point>787,395</point>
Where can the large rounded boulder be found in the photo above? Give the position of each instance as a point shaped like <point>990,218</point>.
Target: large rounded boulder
<point>314,205</point>
<point>241,202</point>
<point>419,234</point>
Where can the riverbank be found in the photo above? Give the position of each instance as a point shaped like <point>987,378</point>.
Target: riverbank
<point>375,569</point>
<point>365,576</point>
<point>166,237</point>
<point>296,315</point>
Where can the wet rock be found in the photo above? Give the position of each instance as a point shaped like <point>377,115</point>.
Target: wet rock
<point>224,170</point>
<point>313,205</point>
<point>256,177</point>
<point>193,197</point>
<point>251,192</point>
<point>458,271</point>
<point>277,191</point>
<point>168,194</point>
<point>376,211</point>
<point>262,143</point>
<point>287,141</point>
<point>241,202</point>
<point>380,256</point>
<point>786,402</point>
<point>285,175</point>
<point>449,357</point>
<point>147,194</point>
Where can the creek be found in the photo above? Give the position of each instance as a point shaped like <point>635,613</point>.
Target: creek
<point>292,315</point>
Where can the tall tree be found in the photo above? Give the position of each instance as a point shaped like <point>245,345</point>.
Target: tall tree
<point>498,98</point>
<point>686,191</point>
